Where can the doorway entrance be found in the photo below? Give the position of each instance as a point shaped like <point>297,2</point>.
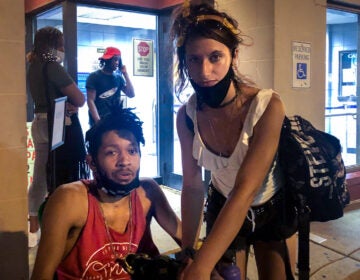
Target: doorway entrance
<point>98,28</point>
<point>342,82</point>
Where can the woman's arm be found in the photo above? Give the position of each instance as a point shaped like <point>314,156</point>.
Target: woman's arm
<point>61,80</point>
<point>75,96</point>
<point>254,168</point>
<point>192,194</point>
<point>66,209</point>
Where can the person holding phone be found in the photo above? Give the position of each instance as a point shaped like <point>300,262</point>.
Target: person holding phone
<point>104,86</point>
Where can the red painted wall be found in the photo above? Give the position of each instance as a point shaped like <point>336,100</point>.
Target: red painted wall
<point>153,4</point>
<point>31,5</point>
<point>353,182</point>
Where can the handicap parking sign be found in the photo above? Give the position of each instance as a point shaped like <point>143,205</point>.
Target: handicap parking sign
<point>301,71</point>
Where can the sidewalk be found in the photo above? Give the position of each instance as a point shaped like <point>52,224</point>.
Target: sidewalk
<point>334,247</point>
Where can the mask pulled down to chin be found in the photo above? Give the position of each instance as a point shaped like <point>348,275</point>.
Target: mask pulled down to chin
<point>213,96</point>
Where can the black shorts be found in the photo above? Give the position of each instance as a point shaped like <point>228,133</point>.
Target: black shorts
<point>275,220</point>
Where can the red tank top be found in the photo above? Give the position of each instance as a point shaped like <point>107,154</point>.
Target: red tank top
<point>92,256</point>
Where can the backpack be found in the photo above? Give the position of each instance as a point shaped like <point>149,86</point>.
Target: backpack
<point>315,178</point>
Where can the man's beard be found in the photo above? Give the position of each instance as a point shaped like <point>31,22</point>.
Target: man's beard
<point>112,188</point>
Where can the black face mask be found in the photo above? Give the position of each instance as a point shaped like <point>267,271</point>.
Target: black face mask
<point>112,188</point>
<point>213,96</point>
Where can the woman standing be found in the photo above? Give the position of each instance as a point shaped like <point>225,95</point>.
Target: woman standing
<point>232,128</point>
<point>48,80</point>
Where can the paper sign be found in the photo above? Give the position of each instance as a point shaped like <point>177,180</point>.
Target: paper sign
<point>143,57</point>
<point>301,53</point>
<point>58,124</point>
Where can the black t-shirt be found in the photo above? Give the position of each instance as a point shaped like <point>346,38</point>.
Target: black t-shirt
<point>108,91</point>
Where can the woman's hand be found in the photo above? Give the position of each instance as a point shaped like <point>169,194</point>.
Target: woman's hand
<point>190,268</point>
<point>193,271</point>
<point>71,109</point>
<point>215,275</point>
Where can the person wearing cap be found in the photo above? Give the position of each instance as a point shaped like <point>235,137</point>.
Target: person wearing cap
<point>104,86</point>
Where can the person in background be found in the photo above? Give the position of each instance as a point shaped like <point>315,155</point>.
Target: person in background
<point>104,86</point>
<point>231,128</point>
<point>48,80</point>
<point>89,226</point>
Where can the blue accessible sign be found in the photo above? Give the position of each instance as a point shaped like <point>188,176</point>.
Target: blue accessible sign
<point>301,64</point>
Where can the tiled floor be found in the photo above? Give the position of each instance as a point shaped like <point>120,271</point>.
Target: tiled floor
<point>334,247</point>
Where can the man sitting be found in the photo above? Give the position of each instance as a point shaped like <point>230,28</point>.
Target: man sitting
<point>89,226</point>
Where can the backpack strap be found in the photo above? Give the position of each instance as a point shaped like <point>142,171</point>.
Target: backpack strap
<point>303,216</point>
<point>50,165</point>
<point>303,244</point>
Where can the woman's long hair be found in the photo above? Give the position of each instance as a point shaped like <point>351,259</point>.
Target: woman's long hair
<point>202,21</point>
<point>46,42</point>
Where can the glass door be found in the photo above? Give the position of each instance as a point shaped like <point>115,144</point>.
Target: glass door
<point>135,34</point>
<point>342,90</point>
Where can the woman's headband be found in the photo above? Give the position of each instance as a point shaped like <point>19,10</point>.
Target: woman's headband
<point>222,20</point>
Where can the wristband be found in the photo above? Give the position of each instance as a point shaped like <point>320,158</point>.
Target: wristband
<point>185,254</point>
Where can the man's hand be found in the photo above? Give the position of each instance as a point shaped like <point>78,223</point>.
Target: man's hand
<point>123,69</point>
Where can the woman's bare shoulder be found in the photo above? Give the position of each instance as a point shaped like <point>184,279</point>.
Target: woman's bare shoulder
<point>182,111</point>
<point>248,92</point>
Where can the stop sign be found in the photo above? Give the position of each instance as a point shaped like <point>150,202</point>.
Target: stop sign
<point>143,49</point>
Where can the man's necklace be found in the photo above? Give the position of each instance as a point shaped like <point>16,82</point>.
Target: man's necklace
<point>111,241</point>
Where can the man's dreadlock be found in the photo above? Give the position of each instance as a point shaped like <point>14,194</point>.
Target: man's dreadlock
<point>119,119</point>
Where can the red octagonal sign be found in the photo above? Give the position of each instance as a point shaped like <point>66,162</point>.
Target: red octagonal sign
<point>143,49</point>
